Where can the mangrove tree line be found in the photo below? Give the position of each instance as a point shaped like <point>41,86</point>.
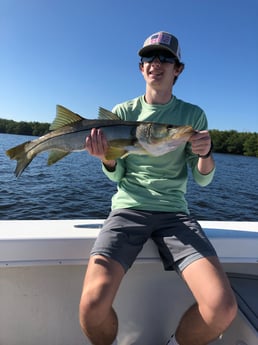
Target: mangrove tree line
<point>224,141</point>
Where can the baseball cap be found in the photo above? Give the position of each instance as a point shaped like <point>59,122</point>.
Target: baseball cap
<point>161,41</point>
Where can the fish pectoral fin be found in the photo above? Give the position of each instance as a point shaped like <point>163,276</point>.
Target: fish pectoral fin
<point>55,156</point>
<point>115,152</point>
<point>122,148</point>
<point>105,114</point>
<point>64,117</point>
<point>117,148</point>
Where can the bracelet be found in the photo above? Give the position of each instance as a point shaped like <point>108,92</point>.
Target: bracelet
<point>111,169</point>
<point>207,154</point>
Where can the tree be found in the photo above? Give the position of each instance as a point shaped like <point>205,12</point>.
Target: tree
<point>219,139</point>
<point>234,142</point>
<point>25,128</point>
<point>223,141</point>
<point>250,146</point>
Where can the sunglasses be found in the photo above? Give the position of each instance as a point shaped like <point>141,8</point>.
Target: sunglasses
<point>162,58</point>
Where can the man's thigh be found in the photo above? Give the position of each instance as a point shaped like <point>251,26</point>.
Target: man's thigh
<point>208,282</point>
<point>102,280</point>
<point>123,235</point>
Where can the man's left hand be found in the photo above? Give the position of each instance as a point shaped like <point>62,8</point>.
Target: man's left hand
<point>201,143</point>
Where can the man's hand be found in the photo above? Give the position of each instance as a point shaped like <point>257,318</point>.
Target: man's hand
<point>96,144</point>
<point>201,143</point>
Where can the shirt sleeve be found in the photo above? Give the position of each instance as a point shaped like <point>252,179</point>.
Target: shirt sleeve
<point>202,180</point>
<point>192,159</point>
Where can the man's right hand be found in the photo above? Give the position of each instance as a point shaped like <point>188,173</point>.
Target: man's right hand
<point>96,144</point>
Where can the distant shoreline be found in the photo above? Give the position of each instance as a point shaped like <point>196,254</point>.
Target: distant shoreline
<point>230,141</point>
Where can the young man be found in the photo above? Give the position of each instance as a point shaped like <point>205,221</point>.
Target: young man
<point>151,191</point>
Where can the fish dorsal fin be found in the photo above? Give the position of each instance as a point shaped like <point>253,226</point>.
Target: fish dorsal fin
<point>64,117</point>
<point>105,114</point>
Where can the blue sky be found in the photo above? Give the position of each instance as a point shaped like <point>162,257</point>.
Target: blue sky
<point>83,54</point>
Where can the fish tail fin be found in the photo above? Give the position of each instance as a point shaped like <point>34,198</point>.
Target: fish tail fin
<point>21,154</point>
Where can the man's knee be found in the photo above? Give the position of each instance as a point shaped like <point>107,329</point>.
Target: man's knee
<point>223,310</point>
<point>228,309</point>
<point>92,311</point>
<point>101,283</point>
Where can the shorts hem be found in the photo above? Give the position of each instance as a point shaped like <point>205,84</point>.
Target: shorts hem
<point>108,255</point>
<point>185,262</point>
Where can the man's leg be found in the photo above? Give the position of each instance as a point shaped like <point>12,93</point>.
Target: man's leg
<point>216,306</point>
<point>97,317</point>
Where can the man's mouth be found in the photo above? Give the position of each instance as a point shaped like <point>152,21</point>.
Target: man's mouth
<point>155,73</point>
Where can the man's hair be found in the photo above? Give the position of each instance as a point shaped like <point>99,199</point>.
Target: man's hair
<point>178,64</point>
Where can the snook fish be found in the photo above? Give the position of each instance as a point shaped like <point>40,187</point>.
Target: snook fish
<point>69,130</point>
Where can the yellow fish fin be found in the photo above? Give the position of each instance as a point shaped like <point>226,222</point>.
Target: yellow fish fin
<point>118,148</point>
<point>105,114</point>
<point>64,117</point>
<point>55,156</point>
<point>18,151</point>
<point>22,155</point>
<point>115,152</point>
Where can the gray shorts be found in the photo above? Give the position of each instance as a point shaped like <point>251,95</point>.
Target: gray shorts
<point>179,238</point>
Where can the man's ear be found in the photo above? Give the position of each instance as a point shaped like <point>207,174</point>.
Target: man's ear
<point>179,68</point>
<point>141,66</point>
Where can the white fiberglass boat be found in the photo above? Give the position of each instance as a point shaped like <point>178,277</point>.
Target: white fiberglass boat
<point>42,266</point>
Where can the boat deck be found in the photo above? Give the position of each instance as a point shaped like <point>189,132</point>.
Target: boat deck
<point>42,266</point>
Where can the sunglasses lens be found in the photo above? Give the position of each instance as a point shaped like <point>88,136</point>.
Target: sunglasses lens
<point>162,58</point>
<point>170,59</point>
<point>147,58</point>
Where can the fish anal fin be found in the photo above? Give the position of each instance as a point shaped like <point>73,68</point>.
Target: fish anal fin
<point>105,114</point>
<point>55,156</point>
<point>64,117</point>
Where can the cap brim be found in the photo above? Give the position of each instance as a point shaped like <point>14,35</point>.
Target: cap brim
<point>152,47</point>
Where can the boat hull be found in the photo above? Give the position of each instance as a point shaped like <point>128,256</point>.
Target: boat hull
<point>42,266</point>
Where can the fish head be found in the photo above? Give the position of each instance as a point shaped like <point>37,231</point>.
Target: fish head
<point>159,138</point>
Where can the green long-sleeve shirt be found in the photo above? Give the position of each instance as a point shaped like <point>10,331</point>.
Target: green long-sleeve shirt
<point>158,183</point>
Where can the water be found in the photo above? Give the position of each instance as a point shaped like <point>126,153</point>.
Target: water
<point>76,188</point>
